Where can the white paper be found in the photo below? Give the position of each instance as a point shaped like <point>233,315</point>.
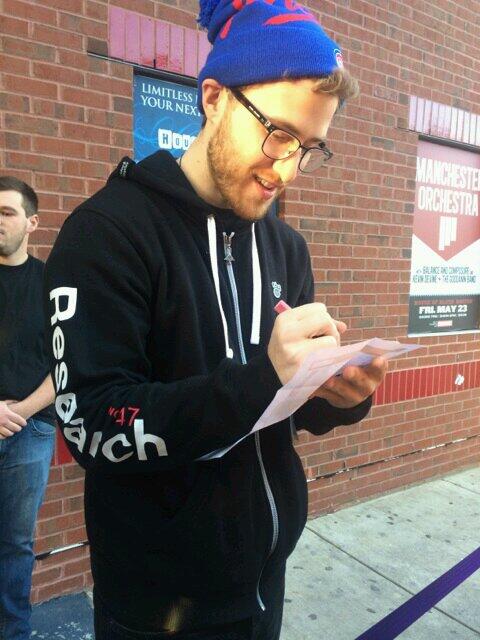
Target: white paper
<point>315,370</point>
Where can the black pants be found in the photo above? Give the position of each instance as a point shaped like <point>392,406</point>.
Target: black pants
<point>263,626</point>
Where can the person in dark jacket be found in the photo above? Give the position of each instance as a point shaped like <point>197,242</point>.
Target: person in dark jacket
<point>27,420</point>
<point>166,348</point>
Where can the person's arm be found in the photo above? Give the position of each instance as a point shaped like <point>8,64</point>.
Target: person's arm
<point>99,296</point>
<point>318,416</point>
<point>42,397</point>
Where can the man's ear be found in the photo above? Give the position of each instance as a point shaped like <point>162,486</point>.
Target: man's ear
<point>32,223</point>
<point>214,100</point>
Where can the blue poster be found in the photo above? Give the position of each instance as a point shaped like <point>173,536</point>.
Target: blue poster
<point>165,116</point>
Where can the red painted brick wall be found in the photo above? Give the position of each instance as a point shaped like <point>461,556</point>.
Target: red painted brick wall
<point>65,120</point>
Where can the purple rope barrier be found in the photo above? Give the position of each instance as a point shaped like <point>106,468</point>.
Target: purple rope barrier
<point>397,621</point>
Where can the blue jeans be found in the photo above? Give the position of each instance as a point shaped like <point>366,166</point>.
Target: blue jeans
<point>24,465</point>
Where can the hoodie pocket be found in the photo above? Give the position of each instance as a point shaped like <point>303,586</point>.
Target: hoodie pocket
<point>146,507</point>
<point>219,546</point>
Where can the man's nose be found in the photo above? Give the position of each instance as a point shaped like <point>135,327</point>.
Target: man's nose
<point>287,168</point>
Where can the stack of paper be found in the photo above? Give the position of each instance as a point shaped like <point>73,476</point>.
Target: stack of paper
<point>315,370</point>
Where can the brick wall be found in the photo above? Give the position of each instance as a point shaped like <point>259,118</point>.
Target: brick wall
<point>65,120</point>
<point>358,223</point>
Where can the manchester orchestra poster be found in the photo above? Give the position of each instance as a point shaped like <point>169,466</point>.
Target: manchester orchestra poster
<point>445,271</point>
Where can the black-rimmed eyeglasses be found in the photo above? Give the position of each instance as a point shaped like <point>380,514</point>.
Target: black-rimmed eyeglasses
<point>279,144</point>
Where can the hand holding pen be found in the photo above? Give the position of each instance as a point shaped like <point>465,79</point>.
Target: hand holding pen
<point>299,331</point>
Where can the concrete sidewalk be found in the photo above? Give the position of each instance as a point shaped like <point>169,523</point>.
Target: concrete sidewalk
<point>353,567</point>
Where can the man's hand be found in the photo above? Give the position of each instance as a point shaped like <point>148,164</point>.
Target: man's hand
<point>354,385</point>
<point>297,332</point>
<point>20,407</point>
<point>10,421</point>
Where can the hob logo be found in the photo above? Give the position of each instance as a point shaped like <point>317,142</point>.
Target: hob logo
<point>169,140</point>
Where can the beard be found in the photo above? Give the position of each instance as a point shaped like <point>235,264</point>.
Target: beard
<point>8,246</point>
<point>231,177</point>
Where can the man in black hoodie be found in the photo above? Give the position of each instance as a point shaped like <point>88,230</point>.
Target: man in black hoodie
<point>166,348</point>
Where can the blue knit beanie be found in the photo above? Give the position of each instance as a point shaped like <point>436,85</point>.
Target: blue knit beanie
<point>258,41</point>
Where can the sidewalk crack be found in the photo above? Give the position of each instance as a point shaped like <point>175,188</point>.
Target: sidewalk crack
<point>477,493</point>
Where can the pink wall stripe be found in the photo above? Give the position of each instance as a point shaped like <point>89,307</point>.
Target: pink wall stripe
<point>190,60</point>
<point>473,128</point>
<point>162,44</point>
<point>460,118</point>
<point>434,121</point>
<point>427,116</point>
<point>116,33</point>
<point>448,120</point>
<point>420,112</point>
<point>176,49</point>
<point>132,35</point>
<point>155,43</point>
<point>443,121</point>
<point>147,42</point>
<point>466,128</point>
<point>453,124</point>
<point>412,116</point>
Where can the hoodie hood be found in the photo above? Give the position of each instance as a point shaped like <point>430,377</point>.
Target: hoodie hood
<point>161,172</point>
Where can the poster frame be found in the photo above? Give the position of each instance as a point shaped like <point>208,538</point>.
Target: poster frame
<point>464,147</point>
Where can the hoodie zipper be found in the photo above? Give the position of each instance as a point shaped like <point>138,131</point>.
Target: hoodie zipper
<point>227,245</point>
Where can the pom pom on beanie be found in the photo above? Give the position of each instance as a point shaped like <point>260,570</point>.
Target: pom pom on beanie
<point>207,7</point>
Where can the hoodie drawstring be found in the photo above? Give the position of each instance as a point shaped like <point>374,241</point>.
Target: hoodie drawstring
<point>257,292</point>
<point>257,285</point>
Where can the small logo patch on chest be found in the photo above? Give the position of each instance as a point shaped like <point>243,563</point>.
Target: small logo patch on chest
<point>277,289</point>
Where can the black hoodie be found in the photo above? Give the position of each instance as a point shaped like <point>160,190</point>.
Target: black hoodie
<point>146,387</point>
